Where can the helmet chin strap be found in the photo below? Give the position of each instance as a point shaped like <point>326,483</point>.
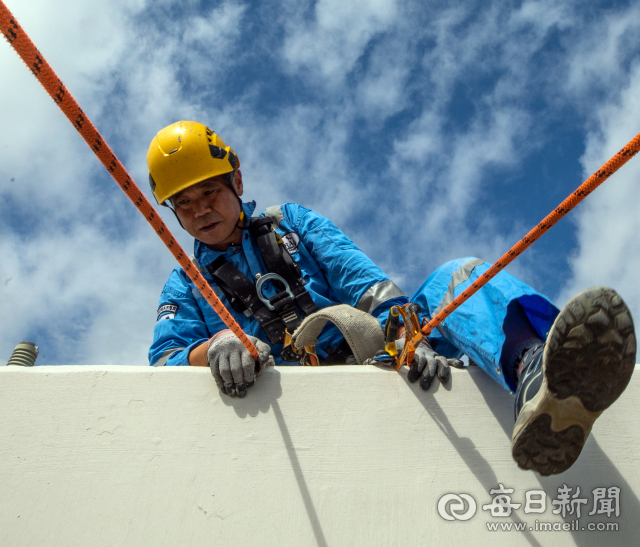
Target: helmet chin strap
<point>164,204</point>
<point>230,178</point>
<point>241,219</point>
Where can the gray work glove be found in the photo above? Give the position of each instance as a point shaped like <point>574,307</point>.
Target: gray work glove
<point>427,364</point>
<point>231,364</point>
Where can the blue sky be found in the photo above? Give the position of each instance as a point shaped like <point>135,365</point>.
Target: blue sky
<point>425,130</point>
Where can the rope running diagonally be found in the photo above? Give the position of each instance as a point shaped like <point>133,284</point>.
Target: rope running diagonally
<point>34,60</point>
<point>588,186</point>
<point>47,77</point>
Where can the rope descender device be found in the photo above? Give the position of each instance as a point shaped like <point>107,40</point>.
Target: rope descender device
<point>413,335</point>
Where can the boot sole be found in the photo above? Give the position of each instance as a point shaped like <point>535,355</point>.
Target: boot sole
<point>587,363</point>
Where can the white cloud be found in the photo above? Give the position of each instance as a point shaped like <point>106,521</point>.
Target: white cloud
<point>608,221</point>
<point>600,56</point>
<point>69,272</point>
<point>382,91</point>
<point>604,77</point>
<point>86,295</point>
<point>88,273</point>
<point>331,44</point>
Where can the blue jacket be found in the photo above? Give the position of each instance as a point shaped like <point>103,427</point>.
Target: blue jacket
<point>335,269</point>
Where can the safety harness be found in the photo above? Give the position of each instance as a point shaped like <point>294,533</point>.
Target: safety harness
<point>281,314</point>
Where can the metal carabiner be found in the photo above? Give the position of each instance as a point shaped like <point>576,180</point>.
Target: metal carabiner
<point>266,277</point>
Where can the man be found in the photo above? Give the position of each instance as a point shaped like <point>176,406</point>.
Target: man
<point>565,366</point>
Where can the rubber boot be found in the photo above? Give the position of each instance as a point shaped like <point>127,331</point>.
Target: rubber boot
<point>565,384</point>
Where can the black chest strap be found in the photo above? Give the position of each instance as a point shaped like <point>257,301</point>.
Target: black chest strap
<point>273,314</point>
<point>278,260</point>
<point>243,297</point>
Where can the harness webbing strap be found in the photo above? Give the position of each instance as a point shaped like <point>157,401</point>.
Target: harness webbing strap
<point>279,314</point>
<point>588,186</point>
<point>243,297</point>
<point>279,261</point>
<point>35,61</point>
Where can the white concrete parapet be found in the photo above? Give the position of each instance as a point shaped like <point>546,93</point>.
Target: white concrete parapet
<point>328,456</point>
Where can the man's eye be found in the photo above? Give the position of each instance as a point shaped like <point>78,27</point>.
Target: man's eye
<point>182,202</point>
<point>208,192</point>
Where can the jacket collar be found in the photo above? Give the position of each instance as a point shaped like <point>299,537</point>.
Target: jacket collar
<point>204,255</point>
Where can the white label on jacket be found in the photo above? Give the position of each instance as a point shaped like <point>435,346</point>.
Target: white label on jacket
<point>169,311</point>
<point>291,241</point>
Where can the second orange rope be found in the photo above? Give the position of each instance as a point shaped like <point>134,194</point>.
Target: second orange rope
<point>588,186</point>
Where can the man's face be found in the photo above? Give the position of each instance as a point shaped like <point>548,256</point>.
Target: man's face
<point>209,210</point>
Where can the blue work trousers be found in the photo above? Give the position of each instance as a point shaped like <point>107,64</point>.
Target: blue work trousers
<point>476,327</point>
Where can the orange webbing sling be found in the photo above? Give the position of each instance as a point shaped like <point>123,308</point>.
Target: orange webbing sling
<point>34,60</point>
<point>588,186</point>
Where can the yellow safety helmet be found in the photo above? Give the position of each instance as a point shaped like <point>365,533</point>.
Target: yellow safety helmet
<point>184,154</point>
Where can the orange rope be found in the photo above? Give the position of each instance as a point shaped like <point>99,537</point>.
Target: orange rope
<point>34,60</point>
<point>16,36</point>
<point>588,186</point>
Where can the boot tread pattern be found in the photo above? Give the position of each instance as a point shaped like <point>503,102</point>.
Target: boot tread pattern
<point>545,450</point>
<point>595,359</point>
<point>590,354</point>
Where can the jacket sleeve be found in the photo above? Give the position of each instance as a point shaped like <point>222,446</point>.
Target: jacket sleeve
<point>351,274</point>
<point>180,324</point>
